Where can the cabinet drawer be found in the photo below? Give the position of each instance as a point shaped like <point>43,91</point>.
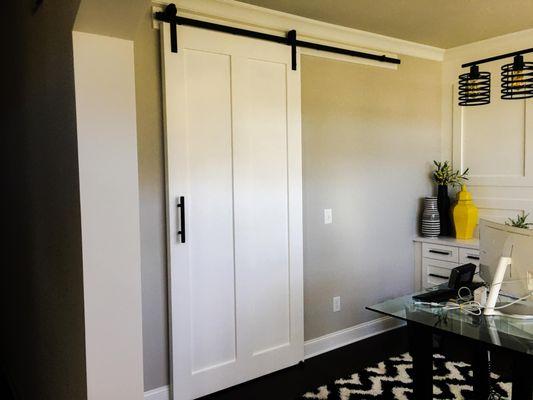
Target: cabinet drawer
<point>440,252</point>
<point>436,272</point>
<point>469,256</point>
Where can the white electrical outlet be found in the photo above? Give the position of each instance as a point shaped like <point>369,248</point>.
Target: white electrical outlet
<point>530,280</point>
<point>328,216</point>
<point>336,303</point>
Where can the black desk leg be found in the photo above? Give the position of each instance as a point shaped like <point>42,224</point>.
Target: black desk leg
<point>480,367</point>
<point>522,377</point>
<point>421,349</point>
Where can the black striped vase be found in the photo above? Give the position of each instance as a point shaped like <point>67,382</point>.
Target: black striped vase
<point>430,218</point>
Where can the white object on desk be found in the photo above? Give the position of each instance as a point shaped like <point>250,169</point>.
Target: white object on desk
<point>496,286</point>
<point>480,296</point>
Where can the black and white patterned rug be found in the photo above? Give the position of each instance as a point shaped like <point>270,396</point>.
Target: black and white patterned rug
<point>391,380</point>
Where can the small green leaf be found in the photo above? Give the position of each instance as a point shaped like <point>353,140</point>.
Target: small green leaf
<point>520,221</point>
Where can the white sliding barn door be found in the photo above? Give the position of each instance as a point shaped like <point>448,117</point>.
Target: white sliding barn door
<point>233,142</point>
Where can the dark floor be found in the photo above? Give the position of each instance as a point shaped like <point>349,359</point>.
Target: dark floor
<point>292,382</point>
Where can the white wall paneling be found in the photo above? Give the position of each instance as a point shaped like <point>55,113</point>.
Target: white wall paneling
<point>496,140</point>
<point>233,144</point>
<point>500,209</point>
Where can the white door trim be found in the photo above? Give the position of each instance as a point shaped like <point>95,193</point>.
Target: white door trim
<point>160,393</point>
<point>344,337</point>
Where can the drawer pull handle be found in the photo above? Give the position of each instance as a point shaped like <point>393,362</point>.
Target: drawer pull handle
<point>444,253</point>
<point>473,257</point>
<point>439,276</point>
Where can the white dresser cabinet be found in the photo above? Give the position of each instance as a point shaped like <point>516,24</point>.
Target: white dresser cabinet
<point>436,257</point>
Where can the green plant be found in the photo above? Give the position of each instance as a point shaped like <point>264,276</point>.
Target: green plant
<point>520,221</point>
<point>445,175</point>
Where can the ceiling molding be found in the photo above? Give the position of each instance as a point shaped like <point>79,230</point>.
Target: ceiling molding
<point>277,22</point>
<point>499,44</point>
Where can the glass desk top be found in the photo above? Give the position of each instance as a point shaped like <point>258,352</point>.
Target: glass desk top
<point>501,331</point>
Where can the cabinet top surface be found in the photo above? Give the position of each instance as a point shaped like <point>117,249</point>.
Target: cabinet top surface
<point>450,241</point>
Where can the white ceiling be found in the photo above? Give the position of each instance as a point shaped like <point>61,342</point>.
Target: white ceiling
<point>440,23</point>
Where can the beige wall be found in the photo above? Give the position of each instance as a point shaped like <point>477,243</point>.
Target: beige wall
<point>152,203</point>
<point>369,136</point>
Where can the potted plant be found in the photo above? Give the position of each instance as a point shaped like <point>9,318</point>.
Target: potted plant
<point>520,221</point>
<point>444,176</point>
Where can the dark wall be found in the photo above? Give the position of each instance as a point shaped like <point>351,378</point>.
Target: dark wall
<point>42,347</point>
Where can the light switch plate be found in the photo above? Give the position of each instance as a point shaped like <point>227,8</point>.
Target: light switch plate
<point>328,216</point>
<point>336,304</point>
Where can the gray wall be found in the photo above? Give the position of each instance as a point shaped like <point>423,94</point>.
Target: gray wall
<point>369,136</point>
<point>42,347</point>
<point>152,203</point>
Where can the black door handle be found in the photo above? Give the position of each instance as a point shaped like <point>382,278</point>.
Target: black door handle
<point>473,257</point>
<point>181,206</point>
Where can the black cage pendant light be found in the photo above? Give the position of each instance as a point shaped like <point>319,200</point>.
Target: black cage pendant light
<point>474,87</point>
<point>517,79</point>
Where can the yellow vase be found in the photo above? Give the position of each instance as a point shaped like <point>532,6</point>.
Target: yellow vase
<point>465,215</point>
